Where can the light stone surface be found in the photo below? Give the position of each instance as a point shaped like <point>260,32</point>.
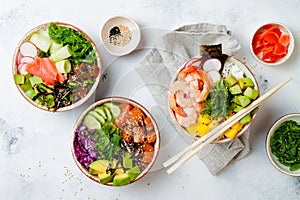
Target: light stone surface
<point>35,155</point>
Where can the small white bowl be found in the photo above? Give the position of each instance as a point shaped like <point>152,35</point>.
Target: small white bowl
<point>133,43</point>
<point>273,159</point>
<point>285,30</point>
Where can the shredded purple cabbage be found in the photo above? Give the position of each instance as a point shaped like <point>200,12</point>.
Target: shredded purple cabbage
<point>84,146</point>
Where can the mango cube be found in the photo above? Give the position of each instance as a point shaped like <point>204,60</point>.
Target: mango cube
<point>231,133</point>
<point>204,119</point>
<point>202,129</point>
<point>237,126</point>
<point>192,129</point>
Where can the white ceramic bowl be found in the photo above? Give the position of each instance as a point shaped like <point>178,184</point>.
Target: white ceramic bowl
<point>16,60</point>
<point>132,44</point>
<point>116,100</point>
<point>290,48</point>
<point>273,159</point>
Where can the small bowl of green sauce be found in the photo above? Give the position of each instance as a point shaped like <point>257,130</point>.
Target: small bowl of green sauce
<point>283,144</point>
<point>120,35</point>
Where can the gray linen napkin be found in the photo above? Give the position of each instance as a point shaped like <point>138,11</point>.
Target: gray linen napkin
<point>171,50</point>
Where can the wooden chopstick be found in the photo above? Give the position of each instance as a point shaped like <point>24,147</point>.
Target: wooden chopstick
<point>216,132</point>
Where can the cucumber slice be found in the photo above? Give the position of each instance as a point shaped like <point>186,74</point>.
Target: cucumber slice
<point>91,122</point>
<point>101,111</point>
<point>63,66</point>
<point>108,113</point>
<point>61,54</point>
<point>115,109</point>
<point>43,43</point>
<point>97,116</point>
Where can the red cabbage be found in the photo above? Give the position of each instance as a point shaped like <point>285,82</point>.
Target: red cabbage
<point>84,146</point>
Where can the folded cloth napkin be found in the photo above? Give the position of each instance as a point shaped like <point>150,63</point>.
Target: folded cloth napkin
<point>170,51</point>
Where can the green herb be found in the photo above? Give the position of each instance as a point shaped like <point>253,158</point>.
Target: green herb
<point>82,49</point>
<point>218,102</point>
<point>285,144</point>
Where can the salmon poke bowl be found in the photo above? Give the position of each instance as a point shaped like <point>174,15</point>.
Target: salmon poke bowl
<point>209,89</point>
<point>115,141</point>
<point>56,67</point>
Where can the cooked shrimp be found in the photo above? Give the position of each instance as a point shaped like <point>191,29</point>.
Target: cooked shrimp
<point>190,119</point>
<point>183,99</point>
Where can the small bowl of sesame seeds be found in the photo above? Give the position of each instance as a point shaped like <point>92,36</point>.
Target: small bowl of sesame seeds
<point>120,35</point>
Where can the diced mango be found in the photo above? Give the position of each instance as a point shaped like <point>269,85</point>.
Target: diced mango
<point>202,129</point>
<point>237,126</point>
<point>192,129</point>
<point>231,133</point>
<point>204,119</point>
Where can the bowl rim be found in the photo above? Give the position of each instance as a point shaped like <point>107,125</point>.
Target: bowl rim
<point>126,51</point>
<point>124,100</point>
<point>82,100</point>
<point>224,140</point>
<point>270,132</point>
<point>290,48</point>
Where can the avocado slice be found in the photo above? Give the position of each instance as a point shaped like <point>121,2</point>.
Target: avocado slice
<point>230,80</point>
<point>133,172</point>
<point>245,82</point>
<point>236,89</point>
<point>246,119</point>
<point>251,93</point>
<point>121,179</point>
<point>105,177</point>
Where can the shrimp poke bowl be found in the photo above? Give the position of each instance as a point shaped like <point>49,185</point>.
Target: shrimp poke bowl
<point>209,89</point>
<point>115,141</point>
<point>56,67</point>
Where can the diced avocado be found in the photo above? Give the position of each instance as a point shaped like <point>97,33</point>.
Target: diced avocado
<point>251,93</point>
<point>121,179</point>
<point>133,172</point>
<point>91,122</point>
<point>246,119</point>
<point>236,89</point>
<point>253,111</point>
<point>94,171</point>
<point>34,80</point>
<point>245,82</point>
<point>30,93</point>
<point>119,171</point>
<point>26,86</point>
<point>236,108</point>
<point>105,177</point>
<point>50,100</point>
<point>99,165</point>
<point>244,101</point>
<point>236,99</point>
<point>19,79</point>
<point>127,161</point>
<point>230,80</point>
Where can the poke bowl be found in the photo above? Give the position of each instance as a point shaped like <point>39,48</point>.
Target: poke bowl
<point>272,44</point>
<point>282,141</point>
<point>115,141</point>
<point>56,67</point>
<point>209,89</point>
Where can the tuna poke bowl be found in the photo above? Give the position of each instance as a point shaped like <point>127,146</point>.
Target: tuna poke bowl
<point>115,141</point>
<point>209,89</point>
<point>56,67</point>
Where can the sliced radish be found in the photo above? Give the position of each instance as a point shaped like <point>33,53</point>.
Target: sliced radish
<point>212,64</point>
<point>22,68</point>
<point>193,62</point>
<point>28,49</point>
<point>215,75</point>
<point>26,59</point>
<point>18,57</point>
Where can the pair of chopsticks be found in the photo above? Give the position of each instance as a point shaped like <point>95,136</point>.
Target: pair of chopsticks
<point>216,132</point>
